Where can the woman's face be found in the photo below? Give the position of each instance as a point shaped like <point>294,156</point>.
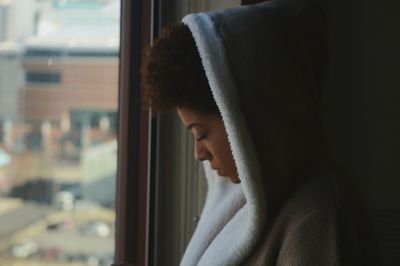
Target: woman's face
<point>211,141</point>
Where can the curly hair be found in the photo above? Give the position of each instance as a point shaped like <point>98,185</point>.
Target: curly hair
<point>173,75</point>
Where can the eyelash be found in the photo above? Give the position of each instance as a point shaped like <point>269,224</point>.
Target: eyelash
<point>202,137</point>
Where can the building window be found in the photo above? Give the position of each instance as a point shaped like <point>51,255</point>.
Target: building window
<point>33,77</point>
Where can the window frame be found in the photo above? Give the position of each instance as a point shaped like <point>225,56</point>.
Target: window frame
<point>132,202</point>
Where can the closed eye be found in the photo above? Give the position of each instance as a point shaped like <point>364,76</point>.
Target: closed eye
<point>201,137</point>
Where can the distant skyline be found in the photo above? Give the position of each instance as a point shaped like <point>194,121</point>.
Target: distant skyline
<point>79,24</point>
<point>63,23</point>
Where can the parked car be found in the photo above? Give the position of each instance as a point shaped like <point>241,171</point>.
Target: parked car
<point>96,228</point>
<point>25,249</point>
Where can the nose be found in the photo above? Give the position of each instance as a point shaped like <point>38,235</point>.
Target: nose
<point>201,152</point>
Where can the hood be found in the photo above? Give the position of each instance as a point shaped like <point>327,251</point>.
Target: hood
<point>263,67</point>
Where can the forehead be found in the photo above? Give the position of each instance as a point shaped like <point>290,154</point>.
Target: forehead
<point>189,116</point>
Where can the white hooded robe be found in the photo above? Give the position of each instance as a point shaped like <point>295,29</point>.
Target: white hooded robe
<point>260,66</point>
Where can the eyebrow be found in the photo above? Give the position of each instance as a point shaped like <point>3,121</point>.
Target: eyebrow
<point>190,126</point>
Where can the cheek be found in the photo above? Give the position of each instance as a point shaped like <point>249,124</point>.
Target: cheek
<point>224,156</point>
<point>230,163</point>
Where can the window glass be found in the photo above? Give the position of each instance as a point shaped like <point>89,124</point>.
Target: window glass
<point>58,122</point>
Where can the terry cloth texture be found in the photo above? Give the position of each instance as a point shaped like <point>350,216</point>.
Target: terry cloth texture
<point>260,64</point>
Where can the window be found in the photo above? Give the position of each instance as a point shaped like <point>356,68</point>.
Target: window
<point>59,74</point>
<point>42,77</point>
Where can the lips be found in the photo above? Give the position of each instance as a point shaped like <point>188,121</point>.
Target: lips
<point>214,168</point>
<point>219,171</point>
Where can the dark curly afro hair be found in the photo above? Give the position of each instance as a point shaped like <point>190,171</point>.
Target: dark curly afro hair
<point>173,75</point>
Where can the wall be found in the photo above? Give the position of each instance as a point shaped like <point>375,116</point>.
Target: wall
<point>362,112</point>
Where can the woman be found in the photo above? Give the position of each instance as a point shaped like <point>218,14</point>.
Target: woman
<point>246,82</point>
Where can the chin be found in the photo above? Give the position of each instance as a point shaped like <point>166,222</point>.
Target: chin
<point>235,180</point>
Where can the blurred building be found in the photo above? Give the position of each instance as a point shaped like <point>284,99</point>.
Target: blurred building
<point>58,122</point>
<point>59,92</point>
